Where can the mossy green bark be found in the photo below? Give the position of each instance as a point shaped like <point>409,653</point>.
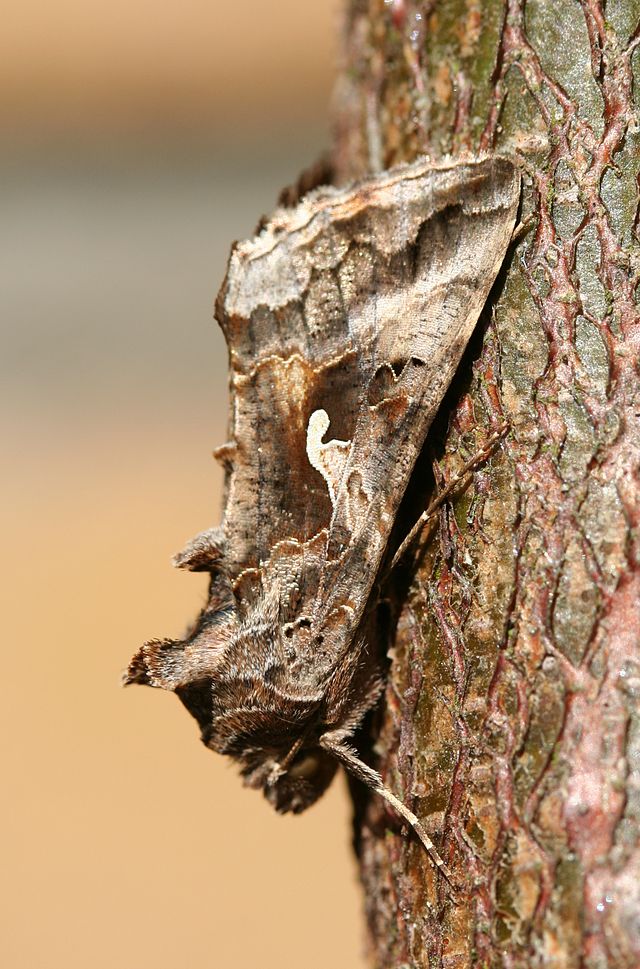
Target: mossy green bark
<point>511,723</point>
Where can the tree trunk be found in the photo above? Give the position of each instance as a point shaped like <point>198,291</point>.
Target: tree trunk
<point>510,723</point>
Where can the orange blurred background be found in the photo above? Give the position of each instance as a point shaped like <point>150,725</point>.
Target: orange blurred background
<point>138,140</point>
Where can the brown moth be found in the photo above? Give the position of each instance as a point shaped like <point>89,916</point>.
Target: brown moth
<point>345,320</point>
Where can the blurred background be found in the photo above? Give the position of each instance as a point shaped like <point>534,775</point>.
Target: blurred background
<point>138,140</point>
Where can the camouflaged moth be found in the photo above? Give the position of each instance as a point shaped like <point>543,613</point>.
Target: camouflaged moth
<point>345,319</point>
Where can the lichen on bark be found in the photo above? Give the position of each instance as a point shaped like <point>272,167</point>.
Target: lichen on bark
<point>511,720</point>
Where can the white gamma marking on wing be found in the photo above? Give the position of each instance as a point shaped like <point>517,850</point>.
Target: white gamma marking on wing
<point>330,458</point>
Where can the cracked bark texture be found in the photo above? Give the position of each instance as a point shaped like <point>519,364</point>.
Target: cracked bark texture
<point>511,720</point>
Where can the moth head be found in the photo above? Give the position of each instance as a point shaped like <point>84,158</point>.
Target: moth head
<point>274,722</point>
<point>268,719</point>
<point>258,692</point>
<point>291,786</point>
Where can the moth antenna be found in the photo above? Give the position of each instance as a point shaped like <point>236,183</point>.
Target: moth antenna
<point>371,778</point>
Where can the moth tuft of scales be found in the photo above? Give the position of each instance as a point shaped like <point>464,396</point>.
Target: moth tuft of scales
<point>345,320</point>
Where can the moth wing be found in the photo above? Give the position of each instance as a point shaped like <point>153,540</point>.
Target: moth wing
<point>421,330</point>
<point>286,323</point>
<point>356,304</point>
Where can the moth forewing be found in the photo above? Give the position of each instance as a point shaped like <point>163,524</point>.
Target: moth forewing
<point>345,320</point>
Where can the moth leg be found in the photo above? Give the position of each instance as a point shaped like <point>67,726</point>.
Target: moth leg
<point>455,482</point>
<point>368,776</point>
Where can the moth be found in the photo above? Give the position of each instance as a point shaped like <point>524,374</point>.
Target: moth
<point>345,320</point>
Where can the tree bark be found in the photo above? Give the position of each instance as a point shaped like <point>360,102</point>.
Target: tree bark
<point>511,718</point>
